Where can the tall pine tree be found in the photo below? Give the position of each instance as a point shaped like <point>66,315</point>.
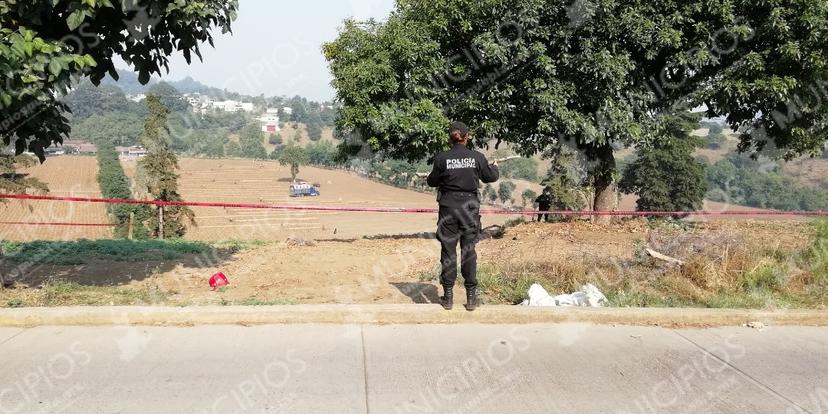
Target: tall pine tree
<point>157,173</point>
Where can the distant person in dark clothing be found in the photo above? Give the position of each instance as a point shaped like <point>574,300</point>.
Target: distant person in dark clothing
<point>544,202</point>
<point>457,174</point>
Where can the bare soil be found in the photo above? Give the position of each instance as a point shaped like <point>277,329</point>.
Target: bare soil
<point>404,270</point>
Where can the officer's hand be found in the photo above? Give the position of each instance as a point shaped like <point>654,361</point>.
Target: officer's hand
<point>494,164</point>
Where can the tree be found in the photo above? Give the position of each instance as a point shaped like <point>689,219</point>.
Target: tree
<point>45,44</point>
<point>487,191</point>
<point>13,182</point>
<point>314,131</point>
<point>520,169</point>
<point>322,153</point>
<point>233,150</point>
<point>540,74</point>
<point>114,183</point>
<point>665,176</point>
<point>157,173</point>
<point>275,139</point>
<point>505,190</point>
<point>739,179</point>
<point>170,97</point>
<point>294,156</point>
<point>528,197</point>
<point>567,179</point>
<point>251,141</point>
<point>116,128</point>
<point>87,100</point>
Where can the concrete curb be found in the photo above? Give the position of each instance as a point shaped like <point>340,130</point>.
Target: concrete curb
<point>397,314</point>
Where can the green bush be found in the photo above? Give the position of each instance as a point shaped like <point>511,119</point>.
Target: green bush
<point>766,277</point>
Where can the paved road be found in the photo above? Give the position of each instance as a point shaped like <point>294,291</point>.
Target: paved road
<point>413,369</point>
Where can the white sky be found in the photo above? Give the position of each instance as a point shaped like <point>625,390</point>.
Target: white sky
<point>275,48</point>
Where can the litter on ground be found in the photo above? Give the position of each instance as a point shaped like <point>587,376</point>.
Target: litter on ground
<point>587,296</point>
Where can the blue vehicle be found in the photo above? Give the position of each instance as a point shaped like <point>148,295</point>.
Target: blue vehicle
<point>304,190</point>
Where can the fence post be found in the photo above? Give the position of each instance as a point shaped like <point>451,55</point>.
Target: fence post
<point>131,224</point>
<point>161,222</point>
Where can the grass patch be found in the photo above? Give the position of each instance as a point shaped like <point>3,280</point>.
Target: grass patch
<point>816,256</point>
<point>63,293</point>
<point>254,301</point>
<point>85,251</point>
<point>497,287</point>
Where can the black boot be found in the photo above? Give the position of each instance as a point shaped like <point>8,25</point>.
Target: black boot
<point>472,301</point>
<point>448,299</point>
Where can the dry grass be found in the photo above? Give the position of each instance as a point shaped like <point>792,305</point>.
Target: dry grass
<point>721,270</point>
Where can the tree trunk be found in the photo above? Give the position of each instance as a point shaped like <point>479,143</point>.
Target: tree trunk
<point>606,189</point>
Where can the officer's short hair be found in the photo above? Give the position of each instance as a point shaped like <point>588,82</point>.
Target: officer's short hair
<point>458,131</point>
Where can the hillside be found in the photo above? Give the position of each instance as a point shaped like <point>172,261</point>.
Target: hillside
<point>297,133</point>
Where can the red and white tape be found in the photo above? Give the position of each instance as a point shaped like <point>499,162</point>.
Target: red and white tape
<point>293,207</point>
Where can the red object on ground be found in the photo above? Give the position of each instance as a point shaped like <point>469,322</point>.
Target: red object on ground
<point>218,280</point>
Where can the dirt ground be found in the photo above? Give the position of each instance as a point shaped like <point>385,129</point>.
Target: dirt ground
<point>66,177</point>
<point>267,182</point>
<point>392,270</point>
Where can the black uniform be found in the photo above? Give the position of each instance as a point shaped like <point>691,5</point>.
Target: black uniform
<point>457,174</point>
<point>544,202</point>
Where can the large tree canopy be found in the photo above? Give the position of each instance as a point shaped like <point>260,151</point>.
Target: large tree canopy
<point>47,44</point>
<point>537,72</point>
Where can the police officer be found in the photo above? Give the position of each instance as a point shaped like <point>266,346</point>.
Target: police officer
<point>457,174</point>
<point>544,202</point>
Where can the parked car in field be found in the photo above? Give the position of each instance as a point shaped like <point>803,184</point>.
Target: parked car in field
<point>304,190</point>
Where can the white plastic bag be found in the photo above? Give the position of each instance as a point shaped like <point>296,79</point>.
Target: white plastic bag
<point>588,296</point>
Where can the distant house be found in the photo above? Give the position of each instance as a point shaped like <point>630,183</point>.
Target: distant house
<point>287,110</point>
<point>270,121</point>
<point>233,106</point>
<point>80,147</point>
<point>131,152</point>
<point>54,151</point>
<point>137,98</point>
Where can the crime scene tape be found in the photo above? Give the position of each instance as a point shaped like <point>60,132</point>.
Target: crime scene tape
<point>413,210</point>
<point>56,224</point>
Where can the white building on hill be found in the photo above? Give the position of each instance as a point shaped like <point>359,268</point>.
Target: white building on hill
<point>234,106</point>
<point>137,98</point>
<point>270,121</point>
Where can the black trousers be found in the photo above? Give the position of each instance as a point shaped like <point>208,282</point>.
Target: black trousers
<point>459,222</point>
<point>541,217</point>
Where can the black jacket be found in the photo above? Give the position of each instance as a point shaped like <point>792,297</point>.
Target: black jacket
<point>461,170</point>
<point>544,201</point>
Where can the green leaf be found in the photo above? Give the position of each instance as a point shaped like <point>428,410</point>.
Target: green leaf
<point>55,67</point>
<point>75,19</point>
<point>143,77</point>
<point>6,98</point>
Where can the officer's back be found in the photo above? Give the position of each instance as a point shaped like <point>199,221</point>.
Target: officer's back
<point>458,172</point>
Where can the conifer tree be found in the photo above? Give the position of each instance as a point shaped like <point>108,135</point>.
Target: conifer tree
<point>157,173</point>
